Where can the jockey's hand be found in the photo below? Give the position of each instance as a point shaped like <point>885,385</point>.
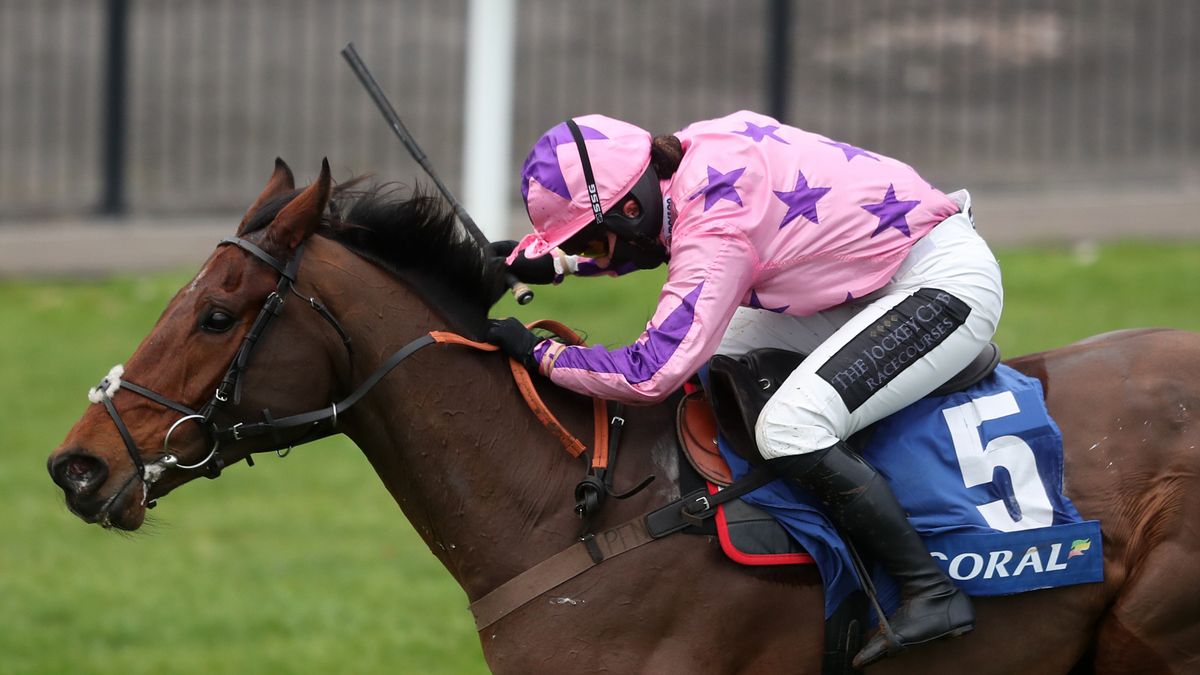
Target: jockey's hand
<point>514,339</point>
<point>530,270</point>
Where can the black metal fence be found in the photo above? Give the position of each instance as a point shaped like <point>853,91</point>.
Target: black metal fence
<point>1027,94</point>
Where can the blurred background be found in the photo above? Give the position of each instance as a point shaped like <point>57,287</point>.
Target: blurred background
<point>134,132</point>
<point>1068,119</point>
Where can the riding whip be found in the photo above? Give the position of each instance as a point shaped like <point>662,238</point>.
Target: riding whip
<point>520,291</point>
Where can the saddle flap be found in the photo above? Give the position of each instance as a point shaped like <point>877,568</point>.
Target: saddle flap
<point>739,388</point>
<point>697,429</point>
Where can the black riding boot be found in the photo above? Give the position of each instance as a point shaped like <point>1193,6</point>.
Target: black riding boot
<point>860,503</point>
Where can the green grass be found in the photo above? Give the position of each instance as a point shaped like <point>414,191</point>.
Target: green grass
<point>305,565</point>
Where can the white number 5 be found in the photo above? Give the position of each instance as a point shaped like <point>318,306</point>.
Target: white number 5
<point>979,463</point>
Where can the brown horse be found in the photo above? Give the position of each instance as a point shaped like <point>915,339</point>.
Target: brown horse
<point>490,491</point>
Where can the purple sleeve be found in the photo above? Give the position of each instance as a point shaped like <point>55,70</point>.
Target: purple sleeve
<point>709,274</point>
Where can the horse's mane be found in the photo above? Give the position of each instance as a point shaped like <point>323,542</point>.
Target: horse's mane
<point>404,231</point>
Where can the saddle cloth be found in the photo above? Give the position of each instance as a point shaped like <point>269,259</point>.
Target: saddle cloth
<point>980,474</point>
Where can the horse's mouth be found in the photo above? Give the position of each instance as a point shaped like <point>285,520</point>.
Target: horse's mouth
<point>123,510</point>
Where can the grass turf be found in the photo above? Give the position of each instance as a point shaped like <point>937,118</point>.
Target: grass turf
<point>305,565</point>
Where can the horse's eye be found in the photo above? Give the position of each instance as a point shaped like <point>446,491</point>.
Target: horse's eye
<point>217,321</point>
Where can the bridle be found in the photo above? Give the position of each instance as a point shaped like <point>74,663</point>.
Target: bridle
<point>588,552</point>
<point>323,421</point>
<point>317,423</point>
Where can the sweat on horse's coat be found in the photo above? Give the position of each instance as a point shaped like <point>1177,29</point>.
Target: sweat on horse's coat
<point>499,488</point>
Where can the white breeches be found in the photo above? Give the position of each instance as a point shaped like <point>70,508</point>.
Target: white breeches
<point>875,355</point>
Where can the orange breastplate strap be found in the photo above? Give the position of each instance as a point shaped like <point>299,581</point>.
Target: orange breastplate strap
<point>525,384</point>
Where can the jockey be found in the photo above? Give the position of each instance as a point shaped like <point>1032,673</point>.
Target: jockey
<point>773,237</point>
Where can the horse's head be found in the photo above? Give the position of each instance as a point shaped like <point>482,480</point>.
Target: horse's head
<point>170,415</point>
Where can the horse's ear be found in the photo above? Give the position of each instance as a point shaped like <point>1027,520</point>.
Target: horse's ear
<point>281,182</point>
<point>301,217</point>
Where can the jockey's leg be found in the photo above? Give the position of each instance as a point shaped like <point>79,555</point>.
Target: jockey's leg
<point>909,338</point>
<point>862,506</point>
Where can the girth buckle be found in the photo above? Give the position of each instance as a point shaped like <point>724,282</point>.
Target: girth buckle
<point>696,511</point>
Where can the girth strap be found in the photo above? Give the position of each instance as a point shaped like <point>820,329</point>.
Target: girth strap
<point>559,569</point>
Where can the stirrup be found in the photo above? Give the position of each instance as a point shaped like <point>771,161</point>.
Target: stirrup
<point>886,643</point>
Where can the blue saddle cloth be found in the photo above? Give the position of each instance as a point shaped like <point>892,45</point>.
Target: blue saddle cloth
<point>980,474</point>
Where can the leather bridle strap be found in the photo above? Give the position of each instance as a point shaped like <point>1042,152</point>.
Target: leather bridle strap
<point>242,431</point>
<point>232,381</point>
<point>288,271</point>
<point>524,381</point>
<point>231,384</point>
<point>153,396</point>
<point>126,437</point>
<point>558,569</point>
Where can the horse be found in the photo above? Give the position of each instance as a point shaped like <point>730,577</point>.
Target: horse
<point>352,276</point>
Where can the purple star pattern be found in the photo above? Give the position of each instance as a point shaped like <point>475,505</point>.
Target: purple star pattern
<point>720,186</point>
<point>850,150</point>
<point>891,212</point>
<point>542,163</point>
<point>755,303</point>
<point>758,133</point>
<point>802,201</point>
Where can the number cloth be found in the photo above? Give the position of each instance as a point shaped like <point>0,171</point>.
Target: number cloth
<point>980,474</point>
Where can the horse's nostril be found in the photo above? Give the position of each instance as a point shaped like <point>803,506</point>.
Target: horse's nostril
<point>79,473</point>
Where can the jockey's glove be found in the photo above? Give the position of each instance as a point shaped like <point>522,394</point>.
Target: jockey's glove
<point>530,270</point>
<point>514,339</point>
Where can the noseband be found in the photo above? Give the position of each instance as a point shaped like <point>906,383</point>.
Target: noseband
<point>230,388</point>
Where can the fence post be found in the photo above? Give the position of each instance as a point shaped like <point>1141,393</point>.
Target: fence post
<point>778,30</point>
<point>487,141</point>
<point>112,201</point>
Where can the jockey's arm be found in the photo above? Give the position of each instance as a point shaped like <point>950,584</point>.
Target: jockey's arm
<point>710,273</point>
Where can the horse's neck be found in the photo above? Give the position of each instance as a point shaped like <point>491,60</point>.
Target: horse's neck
<point>485,485</point>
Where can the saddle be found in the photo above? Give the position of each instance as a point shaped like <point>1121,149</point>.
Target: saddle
<point>738,390</point>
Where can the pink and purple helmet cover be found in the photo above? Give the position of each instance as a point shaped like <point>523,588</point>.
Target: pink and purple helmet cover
<point>552,182</point>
